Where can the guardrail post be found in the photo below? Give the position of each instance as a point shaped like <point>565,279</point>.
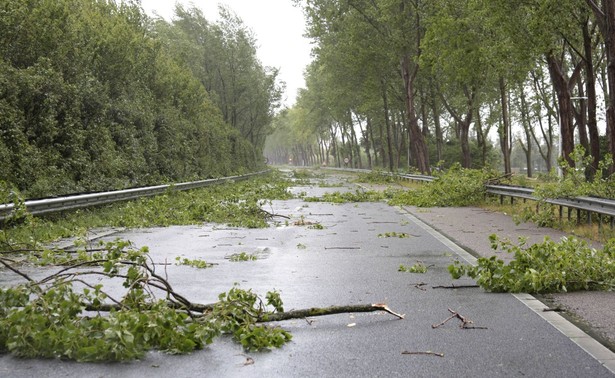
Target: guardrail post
<point>578,216</point>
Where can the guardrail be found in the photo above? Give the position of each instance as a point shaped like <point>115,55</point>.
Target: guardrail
<point>37,207</point>
<point>590,205</point>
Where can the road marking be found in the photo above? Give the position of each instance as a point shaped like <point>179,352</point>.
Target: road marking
<point>595,349</point>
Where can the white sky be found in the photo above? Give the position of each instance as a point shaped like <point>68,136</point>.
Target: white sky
<point>278,27</point>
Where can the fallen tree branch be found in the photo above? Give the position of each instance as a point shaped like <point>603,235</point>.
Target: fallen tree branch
<point>16,271</point>
<point>271,317</point>
<point>465,322</point>
<point>428,353</point>
<point>453,286</point>
<point>316,311</point>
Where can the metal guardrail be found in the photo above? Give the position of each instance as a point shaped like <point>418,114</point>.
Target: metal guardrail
<point>42,206</point>
<point>590,205</point>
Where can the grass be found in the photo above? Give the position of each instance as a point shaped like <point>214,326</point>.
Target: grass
<point>237,204</point>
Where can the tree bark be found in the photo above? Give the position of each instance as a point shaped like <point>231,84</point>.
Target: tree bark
<point>387,122</point>
<point>504,131</point>
<point>417,140</point>
<point>592,119</point>
<point>605,18</point>
<point>560,84</point>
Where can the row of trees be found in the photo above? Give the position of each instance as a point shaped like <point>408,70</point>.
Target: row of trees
<point>414,78</point>
<point>95,95</point>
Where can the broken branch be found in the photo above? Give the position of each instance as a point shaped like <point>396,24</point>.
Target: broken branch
<point>428,353</point>
<point>274,317</point>
<point>315,311</point>
<point>465,322</point>
<point>455,286</point>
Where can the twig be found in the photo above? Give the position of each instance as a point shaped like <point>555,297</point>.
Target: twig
<point>315,311</point>
<point>465,322</point>
<point>272,215</point>
<point>455,286</point>
<point>427,353</point>
<point>15,270</point>
<point>279,316</point>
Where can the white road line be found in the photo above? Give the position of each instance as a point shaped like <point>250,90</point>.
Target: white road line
<point>595,349</point>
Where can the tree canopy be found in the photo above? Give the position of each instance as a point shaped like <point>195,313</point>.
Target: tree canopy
<point>95,95</point>
<point>418,76</point>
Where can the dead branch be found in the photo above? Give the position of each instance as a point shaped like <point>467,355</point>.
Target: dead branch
<point>453,286</point>
<point>15,270</point>
<point>316,311</point>
<point>40,250</point>
<point>427,353</point>
<point>274,317</point>
<point>465,322</point>
<point>273,215</point>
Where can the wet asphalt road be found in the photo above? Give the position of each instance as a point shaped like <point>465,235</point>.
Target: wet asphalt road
<point>344,263</point>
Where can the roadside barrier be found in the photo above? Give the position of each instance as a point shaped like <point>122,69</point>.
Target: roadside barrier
<point>49,205</point>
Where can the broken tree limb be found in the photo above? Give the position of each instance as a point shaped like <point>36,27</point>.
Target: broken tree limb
<point>465,322</point>
<point>455,286</point>
<point>427,353</point>
<point>273,317</point>
<point>316,311</point>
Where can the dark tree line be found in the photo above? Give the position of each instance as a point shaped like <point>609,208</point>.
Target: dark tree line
<point>416,77</point>
<point>95,95</point>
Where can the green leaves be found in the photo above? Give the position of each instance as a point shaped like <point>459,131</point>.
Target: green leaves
<point>237,313</point>
<point>419,267</point>
<point>455,187</point>
<point>48,318</point>
<point>547,267</point>
<point>95,70</point>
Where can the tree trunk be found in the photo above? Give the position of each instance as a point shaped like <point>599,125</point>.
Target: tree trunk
<point>417,140</point>
<point>609,43</point>
<point>505,128</point>
<point>548,133</point>
<point>370,131</point>
<point>387,122</point>
<point>481,138</point>
<point>560,84</point>
<point>592,119</point>
<point>365,135</point>
<point>357,147</point>
<point>525,121</point>
<point>435,110</point>
<point>605,18</point>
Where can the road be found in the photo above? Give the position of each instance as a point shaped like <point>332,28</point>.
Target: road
<point>348,261</point>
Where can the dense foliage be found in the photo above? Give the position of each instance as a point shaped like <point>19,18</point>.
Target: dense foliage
<point>547,267</point>
<point>398,84</point>
<point>95,95</point>
<point>454,187</point>
<point>241,204</point>
<point>65,315</point>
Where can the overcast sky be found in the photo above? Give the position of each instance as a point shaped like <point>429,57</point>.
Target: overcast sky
<point>277,25</point>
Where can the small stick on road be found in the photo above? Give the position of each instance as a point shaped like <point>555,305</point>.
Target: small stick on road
<point>465,322</point>
<point>455,286</point>
<point>427,353</point>
<point>310,312</point>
